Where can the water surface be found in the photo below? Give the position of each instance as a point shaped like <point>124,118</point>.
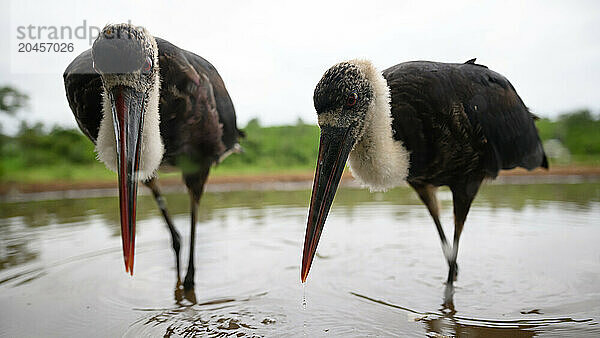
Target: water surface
<point>529,265</point>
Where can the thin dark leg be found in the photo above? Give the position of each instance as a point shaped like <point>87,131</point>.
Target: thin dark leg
<point>462,197</point>
<point>175,237</point>
<point>427,194</point>
<point>463,194</point>
<point>195,184</point>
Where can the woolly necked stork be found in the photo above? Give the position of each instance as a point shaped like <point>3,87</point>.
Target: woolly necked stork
<point>145,103</point>
<point>430,124</point>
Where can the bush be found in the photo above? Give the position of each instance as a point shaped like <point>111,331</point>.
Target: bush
<point>578,131</point>
<point>32,146</point>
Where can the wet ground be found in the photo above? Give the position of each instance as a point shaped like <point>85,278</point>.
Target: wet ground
<point>529,265</point>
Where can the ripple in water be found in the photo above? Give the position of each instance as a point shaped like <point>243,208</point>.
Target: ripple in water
<point>529,265</point>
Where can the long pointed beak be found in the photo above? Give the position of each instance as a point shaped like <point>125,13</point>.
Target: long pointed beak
<point>334,148</point>
<point>128,119</point>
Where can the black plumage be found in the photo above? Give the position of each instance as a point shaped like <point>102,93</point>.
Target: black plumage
<point>459,120</point>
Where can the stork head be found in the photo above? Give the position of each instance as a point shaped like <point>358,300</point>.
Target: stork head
<point>346,100</point>
<point>342,98</point>
<point>126,57</point>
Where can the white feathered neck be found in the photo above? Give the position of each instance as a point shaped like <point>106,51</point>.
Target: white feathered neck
<point>377,160</point>
<point>152,149</point>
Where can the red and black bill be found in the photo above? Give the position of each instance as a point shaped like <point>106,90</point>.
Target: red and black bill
<point>128,120</point>
<point>334,148</point>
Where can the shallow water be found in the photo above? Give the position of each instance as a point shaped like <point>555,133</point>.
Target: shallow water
<point>529,265</point>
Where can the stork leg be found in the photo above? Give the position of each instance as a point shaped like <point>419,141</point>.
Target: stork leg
<point>462,197</point>
<point>195,183</point>
<point>427,194</point>
<point>175,237</point>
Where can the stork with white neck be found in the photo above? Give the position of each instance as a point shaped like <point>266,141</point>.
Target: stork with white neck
<point>145,102</point>
<point>427,123</point>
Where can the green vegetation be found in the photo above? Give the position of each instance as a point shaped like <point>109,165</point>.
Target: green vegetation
<point>36,154</point>
<point>274,149</point>
<point>40,154</point>
<point>579,132</point>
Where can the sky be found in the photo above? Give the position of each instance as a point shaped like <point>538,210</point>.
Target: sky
<point>271,54</point>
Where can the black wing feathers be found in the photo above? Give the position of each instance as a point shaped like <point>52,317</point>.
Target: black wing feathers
<point>505,120</point>
<point>198,65</point>
<point>459,118</point>
<point>84,94</point>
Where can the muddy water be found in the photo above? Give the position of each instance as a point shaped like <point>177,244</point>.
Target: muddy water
<point>529,265</point>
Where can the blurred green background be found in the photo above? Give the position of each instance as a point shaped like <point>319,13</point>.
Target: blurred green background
<point>41,153</point>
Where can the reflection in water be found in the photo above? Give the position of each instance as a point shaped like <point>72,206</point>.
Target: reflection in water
<point>211,317</point>
<point>183,295</point>
<point>530,264</point>
<point>447,322</point>
<point>14,248</point>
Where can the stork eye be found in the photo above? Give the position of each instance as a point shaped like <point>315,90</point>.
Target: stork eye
<point>352,99</point>
<point>147,65</point>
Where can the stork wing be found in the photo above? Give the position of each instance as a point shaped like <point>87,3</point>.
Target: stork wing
<point>190,119</point>
<point>195,71</point>
<point>469,110</point>
<point>494,105</point>
<point>83,87</point>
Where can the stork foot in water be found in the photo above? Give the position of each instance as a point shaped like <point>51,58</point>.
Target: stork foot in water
<point>195,184</point>
<point>463,194</point>
<point>162,205</point>
<point>182,294</point>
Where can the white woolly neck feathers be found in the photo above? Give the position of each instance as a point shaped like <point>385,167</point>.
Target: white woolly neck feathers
<point>152,149</point>
<point>377,160</point>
